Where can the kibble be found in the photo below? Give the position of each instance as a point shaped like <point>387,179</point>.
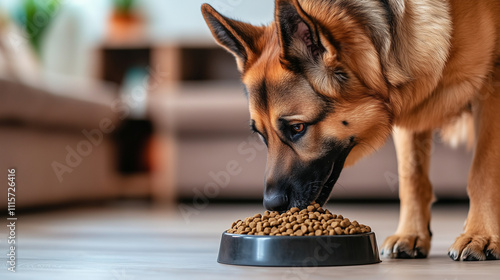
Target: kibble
<point>312,221</point>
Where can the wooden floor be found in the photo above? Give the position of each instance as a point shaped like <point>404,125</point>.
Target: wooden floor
<point>130,241</point>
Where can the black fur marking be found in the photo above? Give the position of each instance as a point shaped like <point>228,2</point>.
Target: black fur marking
<point>336,158</point>
<point>390,13</point>
<point>283,140</point>
<point>288,21</point>
<point>322,115</point>
<point>253,127</point>
<point>262,101</point>
<point>341,76</point>
<point>313,180</point>
<point>345,123</point>
<point>293,64</point>
<point>283,133</point>
<point>329,37</point>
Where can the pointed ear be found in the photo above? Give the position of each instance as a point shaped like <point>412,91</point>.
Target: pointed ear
<point>297,33</point>
<point>237,37</point>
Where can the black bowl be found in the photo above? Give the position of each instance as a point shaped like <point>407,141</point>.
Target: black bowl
<point>325,250</point>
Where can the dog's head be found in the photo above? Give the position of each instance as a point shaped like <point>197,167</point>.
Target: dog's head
<point>316,93</point>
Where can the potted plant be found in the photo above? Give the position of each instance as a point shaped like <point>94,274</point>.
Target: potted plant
<point>35,17</point>
<point>126,21</point>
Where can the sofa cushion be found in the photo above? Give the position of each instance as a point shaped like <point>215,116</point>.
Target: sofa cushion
<point>43,105</point>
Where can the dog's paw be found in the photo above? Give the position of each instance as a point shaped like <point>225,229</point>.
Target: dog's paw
<point>475,248</point>
<point>406,246</point>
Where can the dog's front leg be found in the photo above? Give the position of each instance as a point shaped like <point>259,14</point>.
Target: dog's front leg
<point>481,238</point>
<point>413,236</point>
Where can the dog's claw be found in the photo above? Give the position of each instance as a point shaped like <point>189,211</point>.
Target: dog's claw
<point>470,257</point>
<point>403,255</point>
<point>453,255</point>
<point>468,247</point>
<point>490,255</point>
<point>385,253</point>
<point>419,254</point>
<point>413,254</point>
<point>405,247</point>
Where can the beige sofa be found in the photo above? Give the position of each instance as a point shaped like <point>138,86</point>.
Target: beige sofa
<point>58,140</point>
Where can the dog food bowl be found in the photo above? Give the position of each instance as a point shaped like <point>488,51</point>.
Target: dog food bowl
<point>325,250</point>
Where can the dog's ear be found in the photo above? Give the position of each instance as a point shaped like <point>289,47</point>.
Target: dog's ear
<point>237,37</point>
<point>296,30</point>
<point>303,40</point>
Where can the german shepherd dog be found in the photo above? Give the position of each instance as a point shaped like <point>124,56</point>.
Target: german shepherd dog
<point>329,80</point>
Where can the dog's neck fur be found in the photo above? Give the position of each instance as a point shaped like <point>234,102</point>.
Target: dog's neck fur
<point>406,54</point>
<point>416,53</point>
<point>403,53</point>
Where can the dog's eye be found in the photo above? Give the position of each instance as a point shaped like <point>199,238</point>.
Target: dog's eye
<point>298,128</point>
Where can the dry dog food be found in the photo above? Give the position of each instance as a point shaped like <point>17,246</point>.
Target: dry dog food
<point>295,222</point>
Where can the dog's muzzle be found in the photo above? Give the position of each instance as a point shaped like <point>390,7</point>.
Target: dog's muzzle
<point>306,184</point>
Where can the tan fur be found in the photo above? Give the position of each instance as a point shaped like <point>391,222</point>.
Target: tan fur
<point>426,68</point>
<point>459,130</point>
<point>413,235</point>
<point>468,69</point>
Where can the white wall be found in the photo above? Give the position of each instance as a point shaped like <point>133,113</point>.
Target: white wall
<point>80,26</point>
<point>182,20</point>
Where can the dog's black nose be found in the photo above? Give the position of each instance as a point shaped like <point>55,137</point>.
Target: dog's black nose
<point>276,202</point>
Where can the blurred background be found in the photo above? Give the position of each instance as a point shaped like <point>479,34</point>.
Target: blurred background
<point>125,99</point>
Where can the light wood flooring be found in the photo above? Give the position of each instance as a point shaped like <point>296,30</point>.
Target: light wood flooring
<point>135,241</point>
